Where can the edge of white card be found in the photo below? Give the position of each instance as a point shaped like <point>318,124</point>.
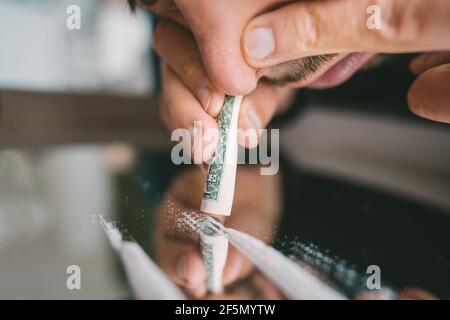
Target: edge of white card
<point>147,280</point>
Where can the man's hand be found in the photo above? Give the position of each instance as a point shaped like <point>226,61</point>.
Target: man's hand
<point>305,28</point>
<point>217,26</point>
<point>190,96</point>
<point>242,41</point>
<point>429,96</point>
<point>256,210</point>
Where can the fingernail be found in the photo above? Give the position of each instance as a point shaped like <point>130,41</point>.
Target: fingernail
<point>204,96</point>
<point>259,42</point>
<point>216,104</point>
<point>181,267</point>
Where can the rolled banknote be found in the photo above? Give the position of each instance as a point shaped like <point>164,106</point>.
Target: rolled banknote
<point>214,247</point>
<point>219,185</point>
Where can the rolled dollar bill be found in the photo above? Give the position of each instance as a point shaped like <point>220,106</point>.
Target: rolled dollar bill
<point>219,185</point>
<point>214,247</point>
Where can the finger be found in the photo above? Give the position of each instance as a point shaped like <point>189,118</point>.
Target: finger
<point>256,286</point>
<point>176,244</point>
<point>266,287</point>
<point>217,26</point>
<point>415,294</point>
<point>228,296</point>
<point>176,247</point>
<point>257,109</point>
<point>308,28</point>
<point>237,266</point>
<point>181,110</point>
<point>185,60</point>
<point>427,61</point>
<point>181,262</point>
<point>165,8</point>
<point>429,96</point>
<point>195,273</point>
<point>373,295</point>
<point>157,6</point>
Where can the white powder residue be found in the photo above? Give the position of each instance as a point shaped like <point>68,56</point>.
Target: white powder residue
<point>113,234</point>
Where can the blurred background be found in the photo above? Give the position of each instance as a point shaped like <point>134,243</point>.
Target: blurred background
<point>110,53</point>
<point>80,136</point>
<point>52,191</point>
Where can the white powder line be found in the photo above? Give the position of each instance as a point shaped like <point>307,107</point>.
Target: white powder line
<point>147,280</point>
<point>191,222</point>
<point>294,281</point>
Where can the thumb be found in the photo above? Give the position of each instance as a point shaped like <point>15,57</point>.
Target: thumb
<point>429,96</point>
<point>308,28</point>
